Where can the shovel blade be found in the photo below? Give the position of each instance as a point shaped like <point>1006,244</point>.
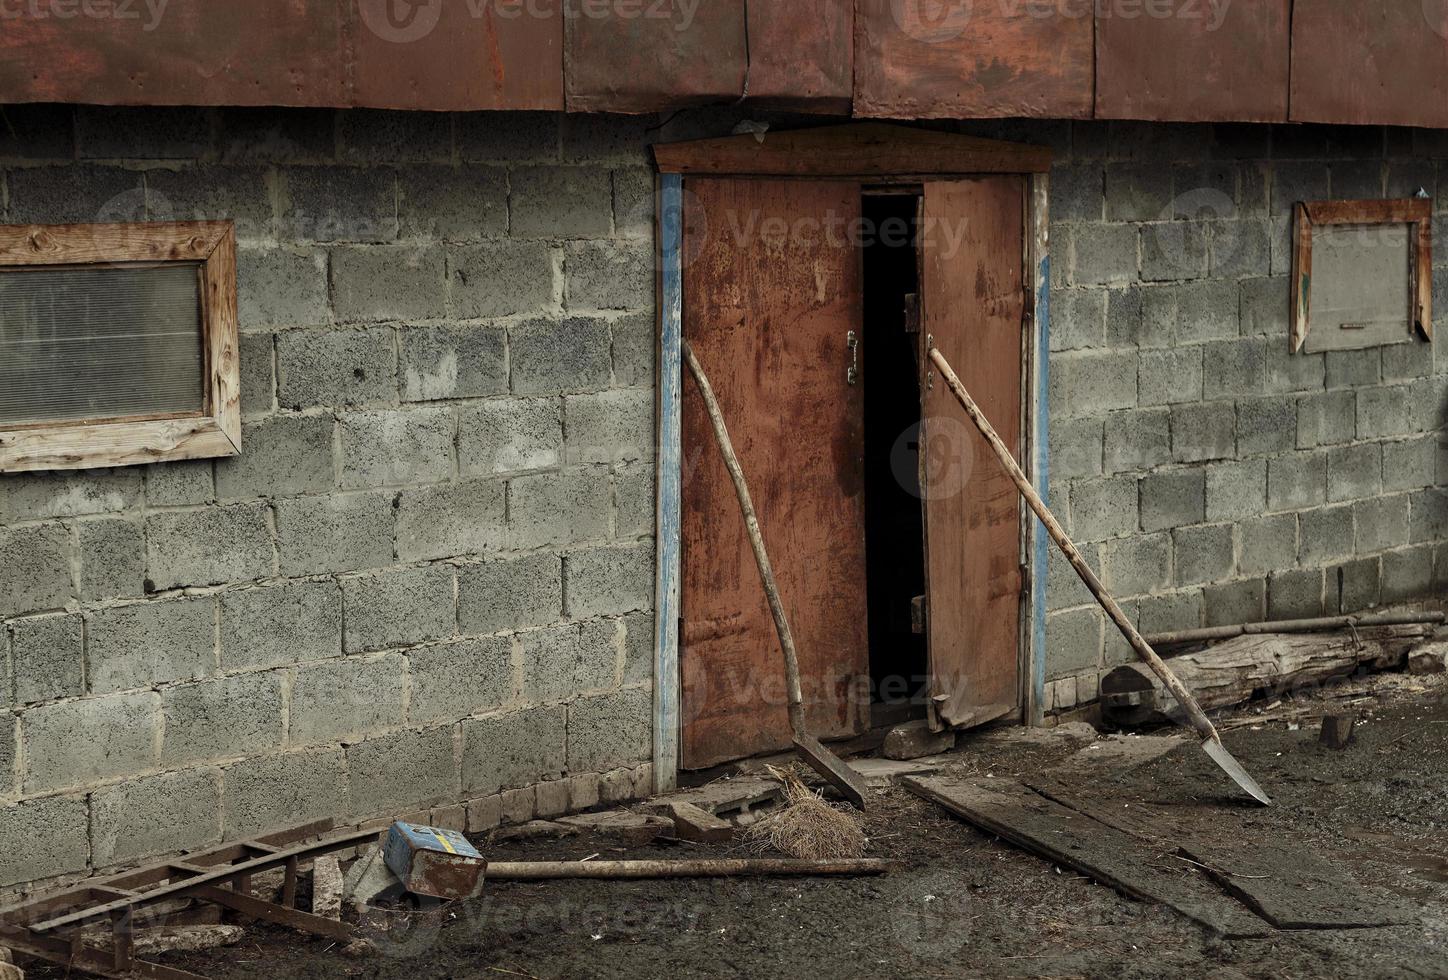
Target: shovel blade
<point>834,769</point>
<point>1233,768</point>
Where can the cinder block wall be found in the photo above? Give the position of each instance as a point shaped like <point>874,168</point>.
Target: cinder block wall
<point>1216,478</point>
<point>429,577</point>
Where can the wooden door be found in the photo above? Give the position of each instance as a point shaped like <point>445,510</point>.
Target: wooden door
<point>972,308</point>
<point>772,290</point>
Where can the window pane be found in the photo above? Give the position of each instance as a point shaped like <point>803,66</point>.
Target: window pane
<point>99,343</point>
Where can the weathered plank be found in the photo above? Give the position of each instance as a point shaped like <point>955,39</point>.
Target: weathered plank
<point>916,60</point>
<point>1208,62</point>
<point>1111,857</point>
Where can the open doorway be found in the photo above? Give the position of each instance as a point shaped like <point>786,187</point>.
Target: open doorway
<point>894,527</point>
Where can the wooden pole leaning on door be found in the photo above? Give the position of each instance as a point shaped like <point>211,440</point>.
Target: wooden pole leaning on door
<point>1211,741</point>
<point>834,769</point>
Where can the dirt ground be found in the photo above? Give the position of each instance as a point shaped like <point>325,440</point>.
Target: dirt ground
<point>965,905</point>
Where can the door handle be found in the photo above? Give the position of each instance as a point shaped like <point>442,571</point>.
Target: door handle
<point>852,341</point>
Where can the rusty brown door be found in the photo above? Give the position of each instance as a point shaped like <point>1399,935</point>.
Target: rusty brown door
<point>973,305</point>
<point>772,293</point>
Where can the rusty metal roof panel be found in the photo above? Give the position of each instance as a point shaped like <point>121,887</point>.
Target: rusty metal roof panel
<point>1207,63</point>
<point>802,53</point>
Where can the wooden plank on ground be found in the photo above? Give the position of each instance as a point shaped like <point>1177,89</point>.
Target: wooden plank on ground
<point>1130,865</point>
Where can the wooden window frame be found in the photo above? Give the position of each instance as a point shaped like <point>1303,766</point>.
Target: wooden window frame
<point>86,443</point>
<point>1308,215</point>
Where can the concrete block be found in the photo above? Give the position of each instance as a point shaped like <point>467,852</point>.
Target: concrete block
<point>48,658</point>
<point>34,568</point>
<point>560,508</point>
<point>1136,565</point>
<point>398,608</point>
<point>634,348</point>
<point>613,275</point>
<point>1236,490</point>
<point>1411,464</point>
<point>1408,574</point>
<point>393,772</point>
<point>606,139</point>
<point>1171,498</point>
<point>266,136</point>
<point>1296,481</point>
<point>638,647</point>
<point>1078,319</point>
<point>485,813</point>
<point>550,356</point>
<point>451,519</point>
<point>1235,368</point>
<point>327,885</point>
<point>561,202</point>
<point>453,204</point>
<point>1295,594</point>
<point>1326,535</point>
<point>1402,362</point>
<point>336,367</point>
<point>258,374</point>
<point>395,448</point>
<point>1382,523</point>
<point>71,493</point>
<point>339,700</point>
<point>280,624</point>
<point>453,680</point>
<point>1102,509</point>
<point>394,136</point>
<point>1171,376</point>
<point>338,204</point>
<point>1172,611</point>
<point>321,535</point>
<point>281,287</point>
<point>280,791</point>
<point>1354,368</point>
<point>1293,182</point>
<point>136,133</point>
<point>112,558</point>
<point>1235,603</point>
<point>1265,306</point>
<point>1354,472</point>
<point>509,435</point>
<point>514,749</point>
<point>213,192</point>
<point>1203,432</point>
<point>610,730</point>
<point>180,484</point>
<point>551,798</point>
<point>1328,419</point>
<point>1092,383</point>
<point>151,643</point>
<point>389,282</point>
<point>494,279</point>
<point>1137,440</point>
<point>62,750</point>
<point>1064,587</point>
<point>40,132</point>
<point>1106,254</point>
<point>1384,412</point>
<point>609,581</point>
<point>1288,373</point>
<point>1077,192</point>
<point>1266,425</point>
<point>615,786</point>
<point>1141,316</point>
<point>208,547</point>
<point>1173,251</point>
<point>510,593</point>
<point>582,791</point>
<point>1269,544</point>
<point>562,661</point>
<point>75,193</point>
<point>221,719</point>
<point>156,815</point>
<point>1240,248</point>
<point>609,426</point>
<point>44,838</point>
<point>519,805</point>
<point>633,202</point>
<point>1360,586</point>
<point>1073,642</point>
<point>1428,516</point>
<point>1205,311</point>
<point>1203,554</point>
<point>1138,192</point>
<point>284,455</point>
<point>635,499</point>
<point>1076,448</point>
<point>439,363</point>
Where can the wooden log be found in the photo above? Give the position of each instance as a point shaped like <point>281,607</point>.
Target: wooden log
<point>1323,625</point>
<point>703,868</point>
<point>1232,672</point>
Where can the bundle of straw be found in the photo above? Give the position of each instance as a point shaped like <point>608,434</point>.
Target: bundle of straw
<point>807,826</point>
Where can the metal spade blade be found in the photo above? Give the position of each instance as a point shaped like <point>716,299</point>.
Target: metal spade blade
<point>1233,768</point>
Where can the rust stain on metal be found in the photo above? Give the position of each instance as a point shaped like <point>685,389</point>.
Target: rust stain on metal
<point>1227,63</point>
<point>801,54</point>
<point>1380,62</point>
<point>959,60</point>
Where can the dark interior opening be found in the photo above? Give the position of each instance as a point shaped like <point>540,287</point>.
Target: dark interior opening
<point>894,528</point>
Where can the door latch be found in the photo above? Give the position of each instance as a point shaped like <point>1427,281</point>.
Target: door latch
<point>853,342</point>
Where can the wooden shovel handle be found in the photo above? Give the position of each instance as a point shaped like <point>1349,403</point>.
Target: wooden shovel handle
<point>1194,711</point>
